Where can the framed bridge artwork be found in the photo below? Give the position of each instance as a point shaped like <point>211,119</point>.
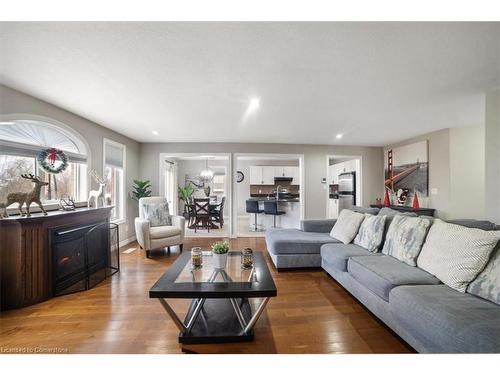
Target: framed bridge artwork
<point>407,167</point>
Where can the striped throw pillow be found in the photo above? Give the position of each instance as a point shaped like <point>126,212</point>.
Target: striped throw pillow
<point>456,254</point>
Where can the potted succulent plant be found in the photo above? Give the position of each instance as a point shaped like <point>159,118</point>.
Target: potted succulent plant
<point>219,251</point>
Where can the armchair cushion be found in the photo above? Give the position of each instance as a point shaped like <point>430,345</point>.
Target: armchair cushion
<point>164,231</point>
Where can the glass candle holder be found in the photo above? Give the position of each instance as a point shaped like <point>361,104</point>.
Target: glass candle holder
<point>247,258</point>
<point>196,257</point>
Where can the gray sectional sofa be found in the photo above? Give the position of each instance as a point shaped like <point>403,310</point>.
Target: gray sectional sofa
<point>428,315</point>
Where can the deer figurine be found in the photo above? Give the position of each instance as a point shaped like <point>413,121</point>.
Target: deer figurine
<point>97,196</point>
<point>26,198</point>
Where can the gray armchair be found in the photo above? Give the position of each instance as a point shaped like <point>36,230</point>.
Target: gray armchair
<point>151,238</point>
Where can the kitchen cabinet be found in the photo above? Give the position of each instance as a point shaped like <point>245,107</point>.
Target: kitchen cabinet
<point>333,208</point>
<point>264,175</point>
<point>256,175</point>
<point>267,175</point>
<point>261,175</point>
<point>334,171</point>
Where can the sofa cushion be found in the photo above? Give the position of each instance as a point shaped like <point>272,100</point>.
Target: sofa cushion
<point>337,254</point>
<point>487,283</point>
<point>472,223</point>
<point>365,210</point>
<point>382,273</point>
<point>294,241</point>
<point>164,232</point>
<point>405,238</point>
<point>371,232</point>
<point>347,225</point>
<point>316,225</point>
<point>446,320</point>
<point>456,254</point>
<point>387,211</point>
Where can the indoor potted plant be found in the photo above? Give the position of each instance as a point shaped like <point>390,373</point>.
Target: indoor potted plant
<point>185,194</point>
<point>219,251</point>
<point>141,189</point>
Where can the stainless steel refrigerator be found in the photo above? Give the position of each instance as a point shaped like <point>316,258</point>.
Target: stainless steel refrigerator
<point>347,190</point>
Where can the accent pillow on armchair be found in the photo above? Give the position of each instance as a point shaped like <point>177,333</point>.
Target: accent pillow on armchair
<point>157,214</point>
<point>347,225</point>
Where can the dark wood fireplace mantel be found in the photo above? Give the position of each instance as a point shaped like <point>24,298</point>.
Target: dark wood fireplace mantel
<point>26,254</point>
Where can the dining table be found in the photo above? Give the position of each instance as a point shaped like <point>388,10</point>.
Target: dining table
<point>191,207</point>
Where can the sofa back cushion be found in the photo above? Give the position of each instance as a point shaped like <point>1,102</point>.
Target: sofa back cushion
<point>487,284</point>
<point>347,226</point>
<point>405,237</point>
<point>456,254</point>
<point>371,232</point>
<point>365,210</point>
<point>472,223</point>
<point>389,212</point>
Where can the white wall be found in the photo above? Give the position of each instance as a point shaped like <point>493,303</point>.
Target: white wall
<point>467,172</point>
<point>492,156</point>
<point>16,102</point>
<point>456,172</point>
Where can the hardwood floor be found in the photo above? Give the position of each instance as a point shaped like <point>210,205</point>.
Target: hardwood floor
<point>312,314</point>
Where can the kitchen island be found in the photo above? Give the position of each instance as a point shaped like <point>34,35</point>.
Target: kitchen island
<point>290,205</point>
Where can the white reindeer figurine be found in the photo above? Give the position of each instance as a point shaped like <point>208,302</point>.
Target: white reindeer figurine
<point>97,196</point>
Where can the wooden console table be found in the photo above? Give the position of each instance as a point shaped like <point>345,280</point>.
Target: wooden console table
<point>27,255</point>
<point>418,211</point>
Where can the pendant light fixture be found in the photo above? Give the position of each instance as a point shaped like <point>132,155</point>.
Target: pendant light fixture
<point>207,174</point>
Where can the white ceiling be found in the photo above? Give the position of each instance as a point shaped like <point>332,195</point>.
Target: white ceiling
<point>376,83</point>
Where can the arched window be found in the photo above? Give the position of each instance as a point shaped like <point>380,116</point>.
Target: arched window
<point>20,142</point>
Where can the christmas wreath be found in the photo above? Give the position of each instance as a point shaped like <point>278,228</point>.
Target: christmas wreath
<point>53,160</point>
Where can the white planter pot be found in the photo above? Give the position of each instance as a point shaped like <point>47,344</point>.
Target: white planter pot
<point>220,261</point>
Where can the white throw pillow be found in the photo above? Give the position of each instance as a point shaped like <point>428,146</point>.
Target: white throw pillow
<point>456,254</point>
<point>346,226</point>
<point>371,232</point>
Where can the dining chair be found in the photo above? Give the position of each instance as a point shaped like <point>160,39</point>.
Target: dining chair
<point>202,213</point>
<point>217,212</point>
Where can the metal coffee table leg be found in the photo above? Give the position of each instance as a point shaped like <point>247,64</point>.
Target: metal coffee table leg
<point>183,327</point>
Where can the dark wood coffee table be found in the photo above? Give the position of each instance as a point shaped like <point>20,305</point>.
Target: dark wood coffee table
<point>220,310</point>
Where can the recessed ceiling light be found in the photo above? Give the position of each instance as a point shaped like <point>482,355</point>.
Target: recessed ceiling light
<point>254,104</point>
<point>339,136</point>
<point>154,132</point>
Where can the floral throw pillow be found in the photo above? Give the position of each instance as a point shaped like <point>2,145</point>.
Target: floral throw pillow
<point>405,238</point>
<point>371,232</point>
<point>157,214</point>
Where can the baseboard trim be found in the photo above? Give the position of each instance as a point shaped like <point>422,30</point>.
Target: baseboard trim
<point>127,241</point>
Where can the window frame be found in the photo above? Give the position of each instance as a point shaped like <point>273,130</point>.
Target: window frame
<point>65,129</point>
<point>123,207</point>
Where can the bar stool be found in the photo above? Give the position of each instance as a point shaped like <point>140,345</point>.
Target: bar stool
<point>271,208</point>
<point>253,208</point>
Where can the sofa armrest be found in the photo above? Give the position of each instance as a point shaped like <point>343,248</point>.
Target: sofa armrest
<point>142,232</point>
<point>179,221</point>
<point>317,225</point>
